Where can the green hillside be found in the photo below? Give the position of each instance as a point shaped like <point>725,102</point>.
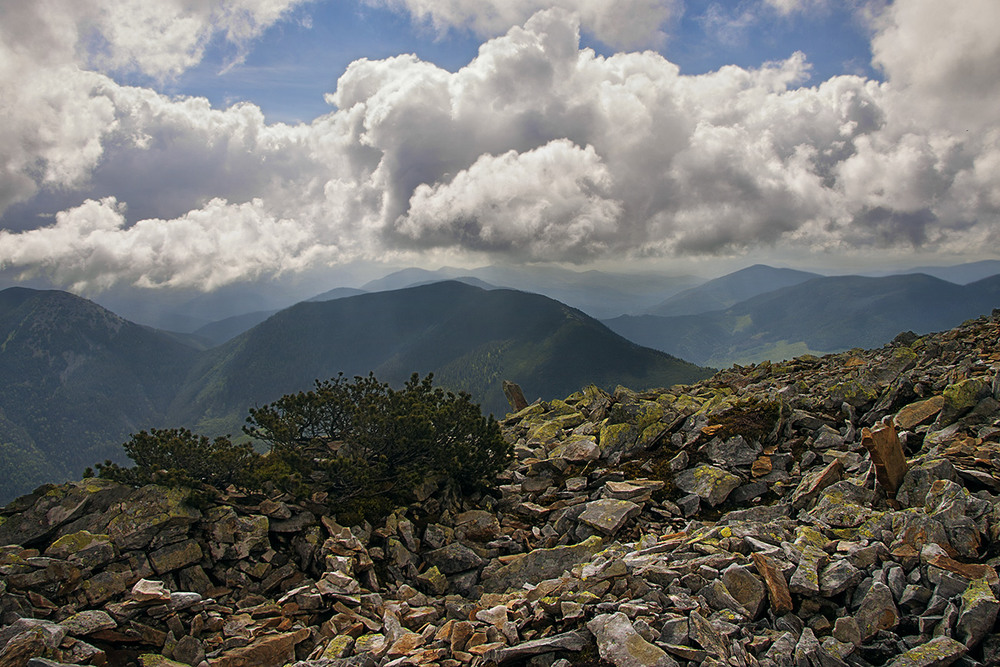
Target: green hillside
<point>77,379</point>
<point>471,339</point>
<point>826,314</point>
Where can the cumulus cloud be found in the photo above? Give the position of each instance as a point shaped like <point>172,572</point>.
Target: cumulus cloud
<point>61,110</point>
<point>91,246</point>
<point>942,60</point>
<point>159,39</point>
<point>627,24</point>
<point>550,203</point>
<point>536,150</point>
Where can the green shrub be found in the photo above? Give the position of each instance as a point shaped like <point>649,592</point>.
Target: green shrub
<point>362,439</point>
<point>179,457</point>
<point>362,443</point>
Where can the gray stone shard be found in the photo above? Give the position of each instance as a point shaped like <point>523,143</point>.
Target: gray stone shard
<point>978,613</point>
<point>608,515</point>
<point>620,644</point>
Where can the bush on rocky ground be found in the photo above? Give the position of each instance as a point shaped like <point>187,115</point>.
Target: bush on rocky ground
<point>178,457</point>
<point>361,444</point>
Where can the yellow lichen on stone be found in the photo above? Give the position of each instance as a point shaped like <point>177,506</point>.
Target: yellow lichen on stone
<point>643,651</point>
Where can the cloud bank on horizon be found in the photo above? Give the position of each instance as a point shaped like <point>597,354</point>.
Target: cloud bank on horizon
<point>537,150</point>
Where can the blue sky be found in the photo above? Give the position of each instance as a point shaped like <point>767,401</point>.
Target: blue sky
<point>297,61</point>
<point>197,145</point>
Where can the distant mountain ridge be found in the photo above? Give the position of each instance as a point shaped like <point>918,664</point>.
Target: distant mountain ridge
<point>730,289</point>
<point>78,379</point>
<point>599,294</point>
<point>470,338</point>
<point>822,315</point>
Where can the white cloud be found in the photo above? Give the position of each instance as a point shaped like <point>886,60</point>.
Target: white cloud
<point>91,246</point>
<point>941,59</point>
<point>548,203</point>
<point>536,150</point>
<point>789,7</point>
<point>627,24</point>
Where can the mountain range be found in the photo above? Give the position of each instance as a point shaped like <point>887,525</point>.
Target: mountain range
<point>76,380</point>
<point>79,379</point>
<point>820,315</point>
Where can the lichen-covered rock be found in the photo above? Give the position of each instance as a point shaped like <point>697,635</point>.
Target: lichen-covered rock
<point>85,548</point>
<point>978,613</point>
<point>938,652</point>
<point>709,483</point>
<point>56,507</point>
<point>232,537</point>
<point>608,515</point>
<point>961,397</point>
<point>620,644</point>
<point>88,622</point>
<point>538,565</point>
<point>132,524</point>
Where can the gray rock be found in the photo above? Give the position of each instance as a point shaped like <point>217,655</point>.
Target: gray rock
<point>452,558</point>
<point>918,479</point>
<point>567,641</point>
<point>608,515</point>
<point>938,652</point>
<point>189,651</point>
<point>978,613</point>
<point>747,492</point>
<point>710,483</point>
<point>782,651</point>
<point>877,611</point>
<point>48,632</point>
<point>619,643</point>
<point>749,590</point>
<point>689,504</point>
<point>674,629</point>
<point>839,576</point>
<point>733,452</point>
<point>707,636</point>
<point>718,597</point>
<point>538,565</point>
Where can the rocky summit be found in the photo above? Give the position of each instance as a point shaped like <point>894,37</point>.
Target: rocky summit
<point>817,512</point>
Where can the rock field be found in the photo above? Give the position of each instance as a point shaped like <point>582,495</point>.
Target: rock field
<point>817,512</point>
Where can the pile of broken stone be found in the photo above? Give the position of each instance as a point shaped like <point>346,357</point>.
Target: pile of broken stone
<point>823,511</point>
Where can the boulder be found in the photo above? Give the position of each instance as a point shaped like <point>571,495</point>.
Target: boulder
<point>620,644</point>
<point>709,483</point>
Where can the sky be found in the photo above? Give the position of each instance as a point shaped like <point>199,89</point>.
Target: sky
<point>203,143</point>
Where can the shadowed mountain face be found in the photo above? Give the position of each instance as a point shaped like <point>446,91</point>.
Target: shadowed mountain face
<point>77,379</point>
<point>597,293</point>
<point>819,315</point>
<point>720,293</point>
<point>471,339</point>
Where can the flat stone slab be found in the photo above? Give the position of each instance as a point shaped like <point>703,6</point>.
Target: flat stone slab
<point>919,413</point>
<point>539,564</point>
<point>710,483</point>
<point>608,515</point>
<point>938,652</point>
<point>620,644</point>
